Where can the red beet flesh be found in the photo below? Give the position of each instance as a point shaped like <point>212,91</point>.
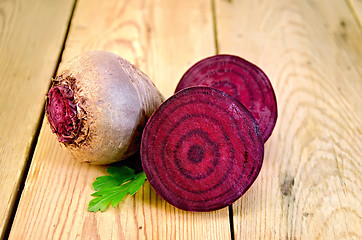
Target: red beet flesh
<point>202,149</point>
<point>62,113</point>
<point>242,80</point>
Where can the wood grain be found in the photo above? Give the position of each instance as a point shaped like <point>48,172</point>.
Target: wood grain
<point>310,185</point>
<point>162,38</point>
<point>356,8</point>
<point>31,37</point>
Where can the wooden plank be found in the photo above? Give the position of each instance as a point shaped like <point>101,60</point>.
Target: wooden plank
<point>159,37</point>
<point>310,185</point>
<point>356,6</point>
<point>31,37</point>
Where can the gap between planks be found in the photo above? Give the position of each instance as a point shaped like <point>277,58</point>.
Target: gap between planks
<point>42,115</point>
<point>35,138</point>
<point>216,43</point>
<point>356,15</point>
<point>213,10</point>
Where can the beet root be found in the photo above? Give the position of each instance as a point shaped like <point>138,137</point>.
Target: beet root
<point>201,149</point>
<point>98,106</point>
<point>241,79</point>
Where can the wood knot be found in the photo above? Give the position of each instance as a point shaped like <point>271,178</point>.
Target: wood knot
<point>287,185</point>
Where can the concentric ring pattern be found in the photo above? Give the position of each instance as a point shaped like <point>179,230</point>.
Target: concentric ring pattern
<point>241,79</point>
<point>201,150</point>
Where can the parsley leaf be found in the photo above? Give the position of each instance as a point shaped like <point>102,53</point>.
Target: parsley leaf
<point>112,188</point>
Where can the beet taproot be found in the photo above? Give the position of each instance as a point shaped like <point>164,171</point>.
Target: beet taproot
<point>241,79</point>
<point>98,105</point>
<point>201,149</point>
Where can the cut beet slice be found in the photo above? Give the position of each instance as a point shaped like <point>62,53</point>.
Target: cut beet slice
<point>201,149</point>
<point>241,79</point>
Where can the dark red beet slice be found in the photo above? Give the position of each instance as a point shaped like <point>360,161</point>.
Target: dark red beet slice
<point>241,79</point>
<point>201,149</point>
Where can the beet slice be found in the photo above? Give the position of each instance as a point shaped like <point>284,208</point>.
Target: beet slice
<point>241,79</point>
<point>201,149</point>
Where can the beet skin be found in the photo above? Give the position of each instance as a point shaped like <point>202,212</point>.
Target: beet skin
<point>98,105</point>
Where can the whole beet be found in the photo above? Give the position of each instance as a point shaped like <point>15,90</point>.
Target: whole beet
<point>98,105</point>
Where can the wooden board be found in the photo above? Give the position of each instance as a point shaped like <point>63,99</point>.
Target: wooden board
<point>310,184</point>
<point>31,37</point>
<point>162,38</point>
<point>356,8</point>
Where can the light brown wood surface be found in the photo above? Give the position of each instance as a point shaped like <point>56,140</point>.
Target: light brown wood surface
<point>31,37</point>
<point>310,184</point>
<point>356,8</point>
<point>157,38</point>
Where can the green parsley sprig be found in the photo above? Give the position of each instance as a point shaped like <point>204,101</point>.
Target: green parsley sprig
<point>112,188</point>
